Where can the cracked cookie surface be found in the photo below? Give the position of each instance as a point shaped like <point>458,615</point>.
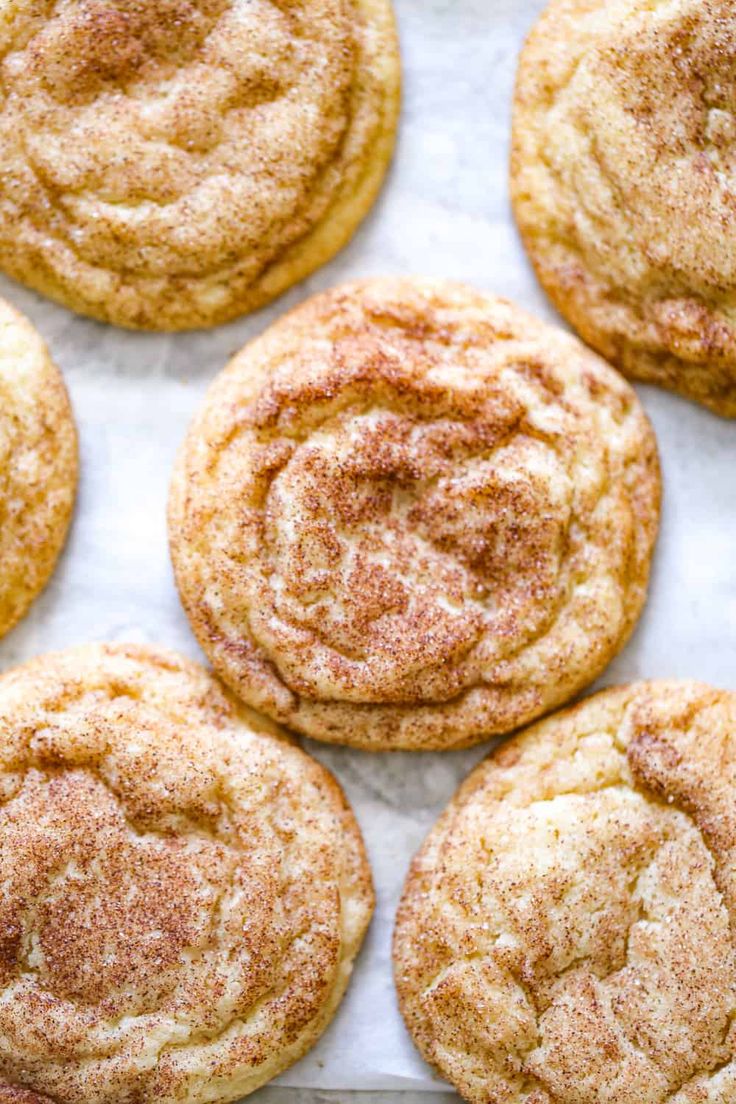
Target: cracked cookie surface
<point>411,515</point>
<point>173,165</point>
<point>38,465</point>
<point>184,891</point>
<point>567,931</point>
<point>623,183</point>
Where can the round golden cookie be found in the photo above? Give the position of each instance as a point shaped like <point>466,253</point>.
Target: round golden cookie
<point>38,465</point>
<point>567,930</point>
<point>174,164</point>
<point>622,176</point>
<point>184,891</point>
<point>412,516</point>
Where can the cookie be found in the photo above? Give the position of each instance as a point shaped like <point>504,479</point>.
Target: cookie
<point>38,465</point>
<point>623,147</point>
<point>413,516</point>
<point>567,930</point>
<point>173,165</point>
<point>184,890</point>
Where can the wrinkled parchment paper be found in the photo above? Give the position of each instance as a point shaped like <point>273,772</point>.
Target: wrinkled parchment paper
<point>444,212</point>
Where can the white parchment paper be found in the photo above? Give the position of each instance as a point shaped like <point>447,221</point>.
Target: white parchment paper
<point>444,212</point>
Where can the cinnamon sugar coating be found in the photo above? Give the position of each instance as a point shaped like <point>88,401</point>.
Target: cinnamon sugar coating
<point>566,934</point>
<point>38,465</point>
<point>622,178</point>
<point>184,891</point>
<point>411,515</point>
<point>174,164</point>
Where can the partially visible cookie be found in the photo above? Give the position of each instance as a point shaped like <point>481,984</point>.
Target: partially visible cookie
<point>567,930</point>
<point>9,1094</point>
<point>624,150</point>
<point>38,465</point>
<point>412,516</point>
<point>174,164</point>
<point>184,890</point>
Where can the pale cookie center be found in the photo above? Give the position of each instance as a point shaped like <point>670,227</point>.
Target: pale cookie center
<point>393,549</point>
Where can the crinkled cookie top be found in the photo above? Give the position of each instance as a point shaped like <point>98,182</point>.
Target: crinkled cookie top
<point>411,515</point>
<point>183,894</point>
<point>624,186</point>
<point>173,164</point>
<point>38,465</point>
<point>566,934</point>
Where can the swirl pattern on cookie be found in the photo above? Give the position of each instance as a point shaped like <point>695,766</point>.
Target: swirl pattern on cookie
<point>184,891</point>
<point>567,930</point>
<point>174,164</point>
<point>411,515</point>
<point>38,465</point>
<point>623,183</point>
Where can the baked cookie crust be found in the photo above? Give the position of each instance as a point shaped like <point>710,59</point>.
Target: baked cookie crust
<point>410,515</point>
<point>184,890</point>
<point>38,465</point>
<point>567,930</point>
<point>174,165</point>
<point>624,141</point>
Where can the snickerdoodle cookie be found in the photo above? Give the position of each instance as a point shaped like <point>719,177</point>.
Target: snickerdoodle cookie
<point>623,183</point>
<point>411,516</point>
<point>567,930</point>
<point>173,164</point>
<point>184,891</point>
<point>38,465</point>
